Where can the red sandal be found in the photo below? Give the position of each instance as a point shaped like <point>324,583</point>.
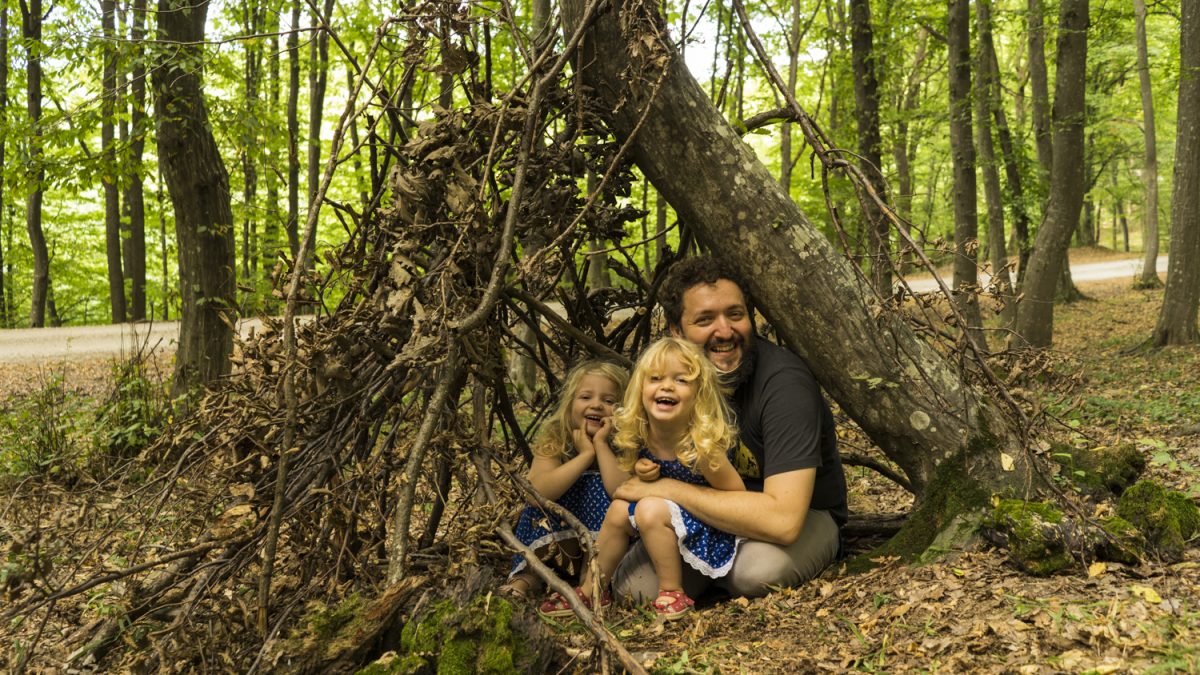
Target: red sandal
<point>671,605</point>
<point>556,606</point>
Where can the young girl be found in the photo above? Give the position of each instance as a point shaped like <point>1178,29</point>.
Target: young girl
<point>564,466</point>
<point>675,423</point>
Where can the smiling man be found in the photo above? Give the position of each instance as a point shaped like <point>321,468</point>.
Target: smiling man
<point>795,503</point>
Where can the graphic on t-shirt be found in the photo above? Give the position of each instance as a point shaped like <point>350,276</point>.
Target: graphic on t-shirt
<point>743,460</point>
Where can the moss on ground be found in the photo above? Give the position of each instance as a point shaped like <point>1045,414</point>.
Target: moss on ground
<point>1166,518</point>
<point>1103,470</point>
<point>1034,535</point>
<point>478,638</point>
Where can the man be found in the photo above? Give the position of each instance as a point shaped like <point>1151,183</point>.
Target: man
<point>795,503</point>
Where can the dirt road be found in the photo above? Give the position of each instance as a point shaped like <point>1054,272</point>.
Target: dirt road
<point>40,345</point>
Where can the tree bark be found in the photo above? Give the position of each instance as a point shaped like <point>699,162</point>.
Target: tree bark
<point>1149,276</point>
<point>318,75</point>
<point>5,307</point>
<point>905,395</point>
<point>108,176</point>
<point>866,98</point>
<point>253,17</point>
<point>1035,317</point>
<point>1012,171</point>
<point>134,247</point>
<point>199,187</point>
<point>986,100</point>
<point>31,31</point>
<point>962,150</point>
<point>1039,83</point>
<point>1181,299</point>
<point>293,130</point>
<point>903,148</point>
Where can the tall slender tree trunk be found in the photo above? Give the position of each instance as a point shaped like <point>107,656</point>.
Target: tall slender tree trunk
<point>271,240</point>
<point>318,76</point>
<point>866,97</point>
<point>252,22</point>
<point>785,129</point>
<point>1012,171</point>
<point>901,151</point>
<point>31,31</point>
<point>962,150</point>
<point>135,195</point>
<point>1149,276</point>
<point>1035,317</point>
<point>293,130</point>
<point>1181,298</point>
<point>199,187</point>
<point>986,99</point>
<point>5,281</point>
<point>1039,84</point>
<point>108,176</point>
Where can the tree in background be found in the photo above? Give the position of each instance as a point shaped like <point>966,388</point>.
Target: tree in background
<point>134,245</point>
<point>108,160</point>
<point>1149,276</point>
<point>199,187</point>
<point>1181,300</point>
<point>1035,316</point>
<point>31,31</point>
<point>866,98</point>
<point>962,149</point>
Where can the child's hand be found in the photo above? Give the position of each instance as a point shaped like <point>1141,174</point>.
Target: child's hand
<point>605,430</point>
<point>583,443</point>
<point>645,470</point>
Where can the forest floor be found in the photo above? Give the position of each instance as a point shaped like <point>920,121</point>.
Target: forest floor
<point>969,611</point>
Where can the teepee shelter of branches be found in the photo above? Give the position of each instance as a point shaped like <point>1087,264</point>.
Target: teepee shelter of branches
<point>376,452</point>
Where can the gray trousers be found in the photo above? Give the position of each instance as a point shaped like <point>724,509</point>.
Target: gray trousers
<point>757,567</point>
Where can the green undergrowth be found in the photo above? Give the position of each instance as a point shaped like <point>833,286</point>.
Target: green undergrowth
<point>58,432</point>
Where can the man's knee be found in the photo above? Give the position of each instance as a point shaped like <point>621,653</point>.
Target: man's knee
<point>634,577</point>
<point>760,565</point>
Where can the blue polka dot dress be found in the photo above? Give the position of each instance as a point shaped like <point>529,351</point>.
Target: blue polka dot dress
<point>586,500</point>
<point>701,546</point>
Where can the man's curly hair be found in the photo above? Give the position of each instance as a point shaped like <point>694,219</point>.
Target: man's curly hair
<point>689,272</point>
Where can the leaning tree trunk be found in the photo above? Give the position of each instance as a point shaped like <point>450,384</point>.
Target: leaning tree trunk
<point>199,187</point>
<point>1035,317</point>
<point>1177,320</point>
<point>903,393</point>
<point>1149,276</point>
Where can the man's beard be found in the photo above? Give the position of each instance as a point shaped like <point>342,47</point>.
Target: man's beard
<point>745,368</point>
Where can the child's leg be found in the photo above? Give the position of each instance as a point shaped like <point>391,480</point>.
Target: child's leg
<point>653,518</point>
<point>611,544</point>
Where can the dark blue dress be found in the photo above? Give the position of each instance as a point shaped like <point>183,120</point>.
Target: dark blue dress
<point>703,547</point>
<point>586,499</point>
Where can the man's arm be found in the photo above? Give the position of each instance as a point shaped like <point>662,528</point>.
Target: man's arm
<point>775,515</point>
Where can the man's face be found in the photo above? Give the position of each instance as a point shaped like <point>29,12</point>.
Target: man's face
<point>715,318</point>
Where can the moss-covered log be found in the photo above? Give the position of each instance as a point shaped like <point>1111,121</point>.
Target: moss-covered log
<point>460,626</point>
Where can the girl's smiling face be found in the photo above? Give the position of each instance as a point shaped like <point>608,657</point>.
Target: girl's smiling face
<point>669,392</point>
<point>594,400</point>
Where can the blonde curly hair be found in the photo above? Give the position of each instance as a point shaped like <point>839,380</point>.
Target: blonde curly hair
<point>711,432</point>
<point>555,438</point>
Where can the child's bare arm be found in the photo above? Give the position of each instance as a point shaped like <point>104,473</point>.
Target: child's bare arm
<point>724,476</point>
<point>552,477</point>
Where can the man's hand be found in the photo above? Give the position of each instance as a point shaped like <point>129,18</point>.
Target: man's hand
<point>645,469</point>
<point>636,489</point>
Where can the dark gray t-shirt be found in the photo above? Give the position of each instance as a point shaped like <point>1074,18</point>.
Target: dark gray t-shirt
<point>784,424</point>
